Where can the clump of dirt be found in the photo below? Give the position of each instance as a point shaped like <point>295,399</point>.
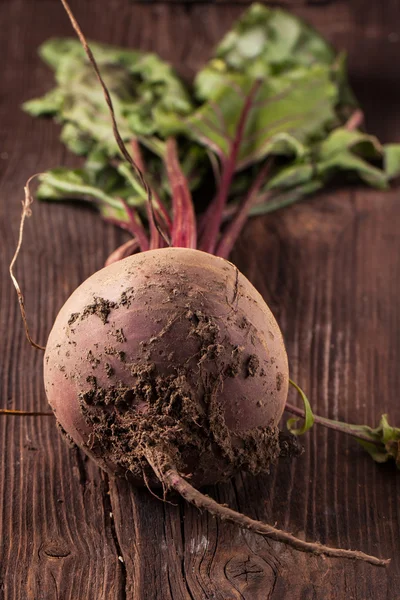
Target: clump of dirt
<point>109,369</point>
<point>65,435</point>
<point>127,297</point>
<point>99,307</point>
<point>289,445</point>
<point>92,360</point>
<point>203,327</point>
<point>233,368</point>
<point>73,318</point>
<point>252,365</point>
<point>118,334</point>
<point>112,351</point>
<point>161,412</point>
<point>279,381</point>
<point>168,412</point>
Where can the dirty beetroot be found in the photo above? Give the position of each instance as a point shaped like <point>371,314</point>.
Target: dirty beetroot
<point>167,367</point>
<point>180,358</point>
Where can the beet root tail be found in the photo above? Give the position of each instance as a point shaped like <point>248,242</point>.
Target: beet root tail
<point>170,478</point>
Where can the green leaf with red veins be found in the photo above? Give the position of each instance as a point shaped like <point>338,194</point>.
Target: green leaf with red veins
<point>286,113</point>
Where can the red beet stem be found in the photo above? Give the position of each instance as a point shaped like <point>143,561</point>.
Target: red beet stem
<point>161,212</point>
<point>184,219</point>
<point>155,237</point>
<point>355,121</point>
<point>170,477</point>
<point>159,219</point>
<point>215,211</point>
<point>130,247</point>
<point>118,222</point>
<point>235,227</point>
<point>334,425</point>
<point>136,226</point>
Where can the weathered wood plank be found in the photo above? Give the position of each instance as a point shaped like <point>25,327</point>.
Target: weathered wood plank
<point>330,271</point>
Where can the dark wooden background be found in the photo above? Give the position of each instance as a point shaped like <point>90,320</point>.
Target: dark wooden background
<point>330,270</point>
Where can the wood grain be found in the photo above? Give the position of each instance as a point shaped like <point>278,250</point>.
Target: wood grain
<point>330,270</point>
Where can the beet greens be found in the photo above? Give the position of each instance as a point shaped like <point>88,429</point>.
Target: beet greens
<point>301,118</point>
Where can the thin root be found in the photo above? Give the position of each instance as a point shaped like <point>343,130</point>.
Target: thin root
<point>121,144</point>
<point>147,484</point>
<point>26,212</point>
<point>176,482</point>
<point>25,413</point>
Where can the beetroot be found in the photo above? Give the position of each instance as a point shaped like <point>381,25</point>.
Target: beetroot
<point>169,368</point>
<point>173,350</point>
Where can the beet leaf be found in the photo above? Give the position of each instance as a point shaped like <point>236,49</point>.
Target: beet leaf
<point>304,115</point>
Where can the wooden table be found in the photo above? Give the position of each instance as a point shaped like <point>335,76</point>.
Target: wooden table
<point>330,270</point>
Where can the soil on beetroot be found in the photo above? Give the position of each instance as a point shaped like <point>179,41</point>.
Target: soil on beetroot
<point>183,363</point>
<point>164,412</point>
<point>172,420</point>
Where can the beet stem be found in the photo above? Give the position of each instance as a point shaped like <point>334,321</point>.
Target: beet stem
<point>155,231</point>
<point>215,210</point>
<point>355,120</point>
<point>171,477</point>
<point>130,247</point>
<point>334,425</point>
<point>235,227</point>
<point>184,219</point>
<point>136,226</point>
